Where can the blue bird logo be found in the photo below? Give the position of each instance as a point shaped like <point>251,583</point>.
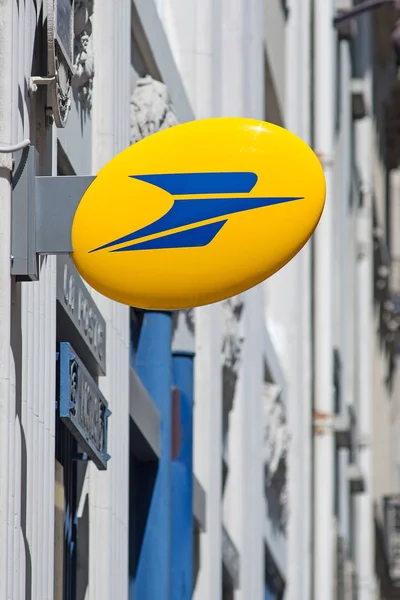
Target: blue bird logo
<point>193,211</point>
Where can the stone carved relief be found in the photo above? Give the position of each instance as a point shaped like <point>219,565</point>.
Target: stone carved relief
<point>276,442</point>
<point>151,108</point>
<point>232,343</point>
<point>82,79</point>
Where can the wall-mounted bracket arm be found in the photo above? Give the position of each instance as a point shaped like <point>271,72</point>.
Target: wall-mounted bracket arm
<point>43,209</point>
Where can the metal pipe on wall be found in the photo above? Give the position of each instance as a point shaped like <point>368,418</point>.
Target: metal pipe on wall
<point>324,56</point>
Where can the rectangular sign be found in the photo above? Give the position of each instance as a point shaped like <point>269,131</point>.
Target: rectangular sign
<point>82,406</point>
<point>79,321</point>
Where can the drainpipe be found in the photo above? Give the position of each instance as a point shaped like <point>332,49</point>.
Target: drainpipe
<point>324,55</point>
<point>6,87</point>
<point>364,502</point>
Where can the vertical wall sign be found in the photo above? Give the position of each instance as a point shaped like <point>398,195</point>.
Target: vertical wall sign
<point>79,321</point>
<point>82,406</point>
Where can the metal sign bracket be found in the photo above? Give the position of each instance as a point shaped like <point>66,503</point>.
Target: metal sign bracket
<point>43,208</point>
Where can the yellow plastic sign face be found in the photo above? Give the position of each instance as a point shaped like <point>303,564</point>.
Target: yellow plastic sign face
<point>197,213</point>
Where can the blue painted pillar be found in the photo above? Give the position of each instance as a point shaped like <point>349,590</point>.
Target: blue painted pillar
<point>269,594</point>
<point>182,482</point>
<point>154,367</point>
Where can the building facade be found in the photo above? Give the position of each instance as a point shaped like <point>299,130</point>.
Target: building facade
<point>243,450</point>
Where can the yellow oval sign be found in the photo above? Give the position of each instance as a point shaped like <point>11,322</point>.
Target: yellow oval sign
<point>197,213</point>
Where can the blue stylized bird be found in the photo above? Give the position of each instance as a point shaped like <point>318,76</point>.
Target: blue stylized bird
<point>192,211</point>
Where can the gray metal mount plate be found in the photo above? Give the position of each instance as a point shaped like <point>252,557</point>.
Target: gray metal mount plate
<point>43,208</point>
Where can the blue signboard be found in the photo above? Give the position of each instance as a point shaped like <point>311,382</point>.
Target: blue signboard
<point>83,407</point>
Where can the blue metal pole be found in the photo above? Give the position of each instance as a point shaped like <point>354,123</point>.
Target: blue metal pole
<point>154,367</point>
<point>269,594</point>
<point>182,483</point>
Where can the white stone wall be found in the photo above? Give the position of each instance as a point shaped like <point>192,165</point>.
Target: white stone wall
<point>30,463</point>
<point>109,492</point>
<point>27,550</point>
